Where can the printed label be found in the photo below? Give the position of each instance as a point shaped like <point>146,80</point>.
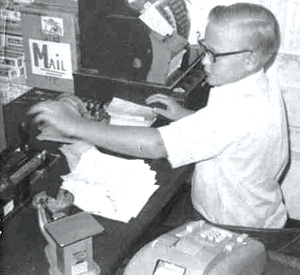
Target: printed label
<point>50,59</point>
<point>52,25</point>
<point>79,268</point>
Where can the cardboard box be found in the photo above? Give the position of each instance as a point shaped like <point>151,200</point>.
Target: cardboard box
<point>71,253</point>
<point>10,40</point>
<point>10,19</point>
<point>11,58</point>
<point>51,46</point>
<point>7,73</point>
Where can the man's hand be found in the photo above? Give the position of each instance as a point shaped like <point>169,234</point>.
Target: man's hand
<point>61,116</point>
<point>173,111</point>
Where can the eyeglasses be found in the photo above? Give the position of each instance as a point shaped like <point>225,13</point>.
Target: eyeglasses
<point>213,56</point>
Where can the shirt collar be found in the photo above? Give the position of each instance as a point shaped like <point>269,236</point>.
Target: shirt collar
<point>240,85</point>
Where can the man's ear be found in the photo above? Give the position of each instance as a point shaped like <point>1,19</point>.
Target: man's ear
<point>252,61</point>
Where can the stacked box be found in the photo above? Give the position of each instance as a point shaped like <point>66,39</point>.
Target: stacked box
<point>12,58</point>
<point>50,34</point>
<point>10,18</point>
<point>10,40</point>
<point>7,73</point>
<point>12,63</point>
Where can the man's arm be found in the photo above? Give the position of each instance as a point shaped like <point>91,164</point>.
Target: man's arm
<point>141,142</point>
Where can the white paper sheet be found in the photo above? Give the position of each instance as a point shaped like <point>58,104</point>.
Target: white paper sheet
<point>155,21</point>
<point>124,112</point>
<point>110,186</point>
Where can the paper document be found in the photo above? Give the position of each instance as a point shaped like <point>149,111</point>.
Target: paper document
<point>110,186</point>
<point>155,21</point>
<point>124,112</point>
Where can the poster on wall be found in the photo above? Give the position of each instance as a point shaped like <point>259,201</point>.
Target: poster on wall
<point>50,58</point>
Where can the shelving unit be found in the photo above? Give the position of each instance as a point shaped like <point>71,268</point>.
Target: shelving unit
<point>12,57</point>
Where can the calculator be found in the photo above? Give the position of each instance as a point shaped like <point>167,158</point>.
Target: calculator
<point>198,248</point>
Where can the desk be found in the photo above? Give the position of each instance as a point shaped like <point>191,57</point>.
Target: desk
<point>22,245</point>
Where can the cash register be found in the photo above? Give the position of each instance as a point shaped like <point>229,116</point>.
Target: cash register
<point>198,248</point>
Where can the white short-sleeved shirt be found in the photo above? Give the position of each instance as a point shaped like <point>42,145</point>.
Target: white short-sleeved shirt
<point>239,143</point>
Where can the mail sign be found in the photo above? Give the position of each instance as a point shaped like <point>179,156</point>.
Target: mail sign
<point>51,59</point>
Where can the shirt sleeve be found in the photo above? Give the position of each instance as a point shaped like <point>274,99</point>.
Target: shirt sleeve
<point>198,137</point>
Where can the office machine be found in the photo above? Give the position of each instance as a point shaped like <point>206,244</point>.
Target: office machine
<point>21,175</point>
<point>69,248</point>
<point>25,165</point>
<point>202,249</point>
<point>19,129</point>
<point>130,48</point>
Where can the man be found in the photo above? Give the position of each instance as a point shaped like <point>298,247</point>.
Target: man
<point>238,142</point>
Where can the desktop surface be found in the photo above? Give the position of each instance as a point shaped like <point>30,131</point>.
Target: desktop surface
<point>22,243</point>
<point>22,248</point>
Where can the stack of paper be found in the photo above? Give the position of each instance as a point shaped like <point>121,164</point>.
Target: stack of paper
<point>123,112</point>
<point>110,186</point>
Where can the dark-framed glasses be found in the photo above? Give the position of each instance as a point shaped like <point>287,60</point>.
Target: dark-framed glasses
<point>213,56</point>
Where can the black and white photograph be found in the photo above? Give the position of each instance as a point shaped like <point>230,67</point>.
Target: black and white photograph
<point>149,137</point>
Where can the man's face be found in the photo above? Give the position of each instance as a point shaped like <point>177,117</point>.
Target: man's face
<point>227,68</point>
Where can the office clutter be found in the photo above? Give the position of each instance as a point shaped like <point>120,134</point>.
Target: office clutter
<point>138,48</point>
<point>38,46</point>
<point>12,55</point>
<point>62,42</point>
<point>136,40</point>
<point>50,42</point>
<point>12,58</point>
<point>54,40</point>
<point>102,189</point>
<point>199,248</point>
<point>23,174</point>
<point>16,167</point>
<point>13,115</point>
<point>69,248</point>
<point>132,57</point>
